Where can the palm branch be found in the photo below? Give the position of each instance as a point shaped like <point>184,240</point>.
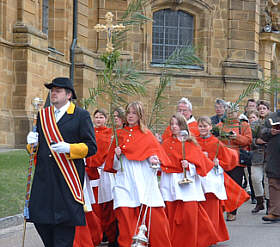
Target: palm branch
<point>180,57</point>
<point>132,17</point>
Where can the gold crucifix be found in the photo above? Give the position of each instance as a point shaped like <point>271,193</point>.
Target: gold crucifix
<point>109,28</point>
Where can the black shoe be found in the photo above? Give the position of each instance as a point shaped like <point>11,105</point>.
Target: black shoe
<point>258,208</point>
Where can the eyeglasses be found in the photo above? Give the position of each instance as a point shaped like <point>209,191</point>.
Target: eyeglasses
<point>185,111</point>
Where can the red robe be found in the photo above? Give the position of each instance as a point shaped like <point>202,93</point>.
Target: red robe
<point>228,159</point>
<point>139,146</point>
<point>243,139</point>
<point>103,139</point>
<point>188,217</point>
<point>193,153</point>
<point>193,127</point>
<point>97,223</point>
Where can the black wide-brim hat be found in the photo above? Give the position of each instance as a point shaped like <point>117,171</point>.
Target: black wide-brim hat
<point>62,82</point>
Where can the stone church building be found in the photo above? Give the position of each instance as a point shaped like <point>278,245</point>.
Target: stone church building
<point>238,41</point>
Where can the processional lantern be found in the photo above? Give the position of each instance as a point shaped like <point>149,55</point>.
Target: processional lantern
<point>140,239</point>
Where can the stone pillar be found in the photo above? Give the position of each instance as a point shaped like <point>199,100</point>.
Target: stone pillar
<point>243,36</point>
<point>269,42</point>
<point>30,64</point>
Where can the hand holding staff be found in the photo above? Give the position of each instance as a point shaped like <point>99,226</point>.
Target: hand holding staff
<point>32,139</point>
<point>184,134</point>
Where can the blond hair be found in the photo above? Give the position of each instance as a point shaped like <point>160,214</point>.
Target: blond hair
<point>138,107</point>
<point>204,119</point>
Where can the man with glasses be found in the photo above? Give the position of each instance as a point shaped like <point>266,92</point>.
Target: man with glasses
<point>220,108</point>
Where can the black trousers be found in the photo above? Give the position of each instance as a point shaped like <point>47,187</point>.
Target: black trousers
<point>56,235</point>
<point>237,175</point>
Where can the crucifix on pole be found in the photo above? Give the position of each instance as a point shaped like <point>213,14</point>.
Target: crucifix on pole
<point>109,28</point>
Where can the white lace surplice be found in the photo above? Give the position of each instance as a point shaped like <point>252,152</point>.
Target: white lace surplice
<point>213,182</point>
<point>137,184</point>
<point>107,181</point>
<point>171,189</point>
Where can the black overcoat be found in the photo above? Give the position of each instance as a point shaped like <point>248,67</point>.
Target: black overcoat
<point>51,201</point>
<point>273,146</point>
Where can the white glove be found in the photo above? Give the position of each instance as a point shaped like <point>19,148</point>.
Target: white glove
<point>184,163</point>
<point>32,138</point>
<point>61,147</point>
<point>216,161</point>
<point>154,159</point>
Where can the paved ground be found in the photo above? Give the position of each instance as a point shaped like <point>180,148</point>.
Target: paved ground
<point>248,230</point>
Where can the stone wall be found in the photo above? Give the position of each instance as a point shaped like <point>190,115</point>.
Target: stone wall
<point>228,33</point>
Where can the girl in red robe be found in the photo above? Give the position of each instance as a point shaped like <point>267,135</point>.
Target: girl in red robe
<point>189,222</point>
<point>136,181</point>
<point>105,195</point>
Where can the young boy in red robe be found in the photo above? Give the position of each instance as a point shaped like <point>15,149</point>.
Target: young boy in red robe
<point>213,183</point>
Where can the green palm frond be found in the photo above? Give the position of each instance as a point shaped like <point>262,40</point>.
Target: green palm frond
<point>92,99</point>
<point>132,17</point>
<point>181,56</point>
<point>157,106</point>
<point>249,90</point>
<point>185,55</point>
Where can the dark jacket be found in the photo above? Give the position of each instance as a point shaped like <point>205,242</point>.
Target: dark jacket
<point>273,147</point>
<point>51,201</point>
<point>216,119</point>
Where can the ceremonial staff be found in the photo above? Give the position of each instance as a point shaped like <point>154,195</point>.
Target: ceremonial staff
<point>37,103</point>
<point>183,136</point>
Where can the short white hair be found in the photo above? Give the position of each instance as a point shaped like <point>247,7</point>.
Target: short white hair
<point>186,102</point>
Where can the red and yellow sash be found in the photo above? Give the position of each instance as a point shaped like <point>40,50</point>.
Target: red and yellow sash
<point>66,166</point>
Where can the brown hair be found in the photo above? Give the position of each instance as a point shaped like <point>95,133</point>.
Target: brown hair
<point>138,107</point>
<point>183,125</point>
<point>263,102</point>
<point>101,111</point>
<point>121,114</point>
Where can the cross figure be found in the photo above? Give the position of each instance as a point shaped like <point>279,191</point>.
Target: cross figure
<point>109,28</point>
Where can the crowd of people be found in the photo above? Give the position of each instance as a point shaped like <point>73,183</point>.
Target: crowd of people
<point>142,188</point>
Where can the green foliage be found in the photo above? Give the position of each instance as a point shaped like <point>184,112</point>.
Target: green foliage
<point>184,56</point>
<point>133,16</point>
<point>13,177</point>
<point>92,99</point>
<point>119,80</point>
<point>180,56</point>
<point>158,106</point>
<point>271,85</point>
<point>249,90</point>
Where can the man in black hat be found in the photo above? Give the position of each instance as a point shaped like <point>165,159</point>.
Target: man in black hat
<point>64,137</point>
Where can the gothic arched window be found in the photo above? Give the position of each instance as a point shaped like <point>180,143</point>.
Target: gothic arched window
<point>171,29</point>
